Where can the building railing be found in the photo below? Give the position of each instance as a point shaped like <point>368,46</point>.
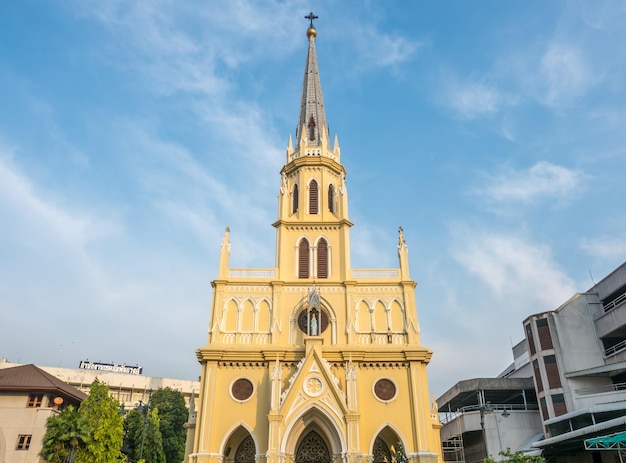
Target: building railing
<point>447,417</point>
<point>375,273</point>
<point>271,273</point>
<point>245,338</point>
<point>615,349</point>
<point>382,338</point>
<point>252,273</point>
<point>600,389</point>
<point>614,303</point>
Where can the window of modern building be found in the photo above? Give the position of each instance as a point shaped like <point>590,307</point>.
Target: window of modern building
<point>35,400</point>
<point>530,340</point>
<point>322,259</point>
<point>545,339</point>
<point>23,442</point>
<point>331,198</point>
<point>544,409</point>
<point>558,403</point>
<point>303,259</point>
<point>294,199</point>
<point>537,374</point>
<point>552,371</point>
<point>313,197</point>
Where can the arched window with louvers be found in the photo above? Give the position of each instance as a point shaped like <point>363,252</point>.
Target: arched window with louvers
<point>303,259</point>
<point>313,197</point>
<point>322,258</point>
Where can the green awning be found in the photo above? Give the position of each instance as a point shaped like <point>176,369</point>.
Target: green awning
<point>612,442</point>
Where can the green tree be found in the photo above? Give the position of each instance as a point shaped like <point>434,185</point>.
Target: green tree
<point>173,415</point>
<point>104,431</point>
<point>516,457</point>
<point>65,433</point>
<point>133,427</point>
<point>152,442</point>
<point>143,441</point>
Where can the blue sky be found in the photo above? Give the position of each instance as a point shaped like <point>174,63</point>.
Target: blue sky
<point>133,132</point>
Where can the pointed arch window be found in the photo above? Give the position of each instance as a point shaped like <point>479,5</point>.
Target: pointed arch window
<point>246,452</point>
<point>322,259</point>
<point>331,198</point>
<point>313,197</point>
<point>294,199</point>
<point>303,259</point>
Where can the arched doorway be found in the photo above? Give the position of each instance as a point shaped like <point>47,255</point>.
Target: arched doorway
<point>246,451</point>
<point>381,452</point>
<point>312,449</point>
<point>386,446</point>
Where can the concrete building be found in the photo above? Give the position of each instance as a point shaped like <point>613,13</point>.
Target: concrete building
<point>484,416</point>
<point>571,371</point>
<point>28,397</point>
<point>128,389</point>
<point>578,356</point>
<point>311,360</point>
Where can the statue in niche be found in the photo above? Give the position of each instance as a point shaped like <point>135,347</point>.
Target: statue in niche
<point>313,327</point>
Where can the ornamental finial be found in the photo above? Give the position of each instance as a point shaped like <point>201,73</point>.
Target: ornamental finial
<point>311,30</point>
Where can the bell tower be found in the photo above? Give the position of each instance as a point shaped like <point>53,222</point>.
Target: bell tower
<point>313,239</point>
<point>312,361</point>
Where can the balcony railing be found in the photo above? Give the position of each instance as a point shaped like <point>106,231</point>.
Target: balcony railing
<point>614,303</point>
<point>375,273</point>
<point>600,389</point>
<point>615,349</point>
<point>252,273</point>
<point>447,417</point>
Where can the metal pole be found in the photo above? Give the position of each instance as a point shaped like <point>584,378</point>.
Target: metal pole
<point>495,417</point>
<point>482,427</point>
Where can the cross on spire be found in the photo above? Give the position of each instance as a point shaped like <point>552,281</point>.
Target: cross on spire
<point>311,17</point>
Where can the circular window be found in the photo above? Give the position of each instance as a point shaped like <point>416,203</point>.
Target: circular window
<point>385,389</point>
<point>242,389</point>
<point>323,324</point>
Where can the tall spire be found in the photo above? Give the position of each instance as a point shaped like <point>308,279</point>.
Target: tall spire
<point>312,127</point>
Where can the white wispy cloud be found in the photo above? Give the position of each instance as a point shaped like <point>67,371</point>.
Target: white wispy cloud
<point>608,247</point>
<point>513,267</point>
<point>23,202</point>
<point>476,99</point>
<point>566,74</point>
<point>543,179</point>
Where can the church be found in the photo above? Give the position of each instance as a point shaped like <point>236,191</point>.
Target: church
<point>313,361</point>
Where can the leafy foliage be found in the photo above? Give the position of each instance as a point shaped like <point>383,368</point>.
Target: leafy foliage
<point>173,415</point>
<point>152,442</point>
<point>99,413</point>
<point>65,433</point>
<point>133,429</point>
<point>516,457</point>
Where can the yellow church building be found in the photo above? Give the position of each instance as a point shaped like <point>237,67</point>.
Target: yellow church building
<point>313,361</point>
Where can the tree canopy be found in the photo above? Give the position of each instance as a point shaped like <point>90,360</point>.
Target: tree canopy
<point>100,414</point>
<point>93,433</point>
<point>65,433</point>
<point>516,457</point>
<point>173,415</point>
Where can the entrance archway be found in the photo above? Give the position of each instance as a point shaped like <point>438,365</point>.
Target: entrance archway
<point>246,451</point>
<point>312,449</point>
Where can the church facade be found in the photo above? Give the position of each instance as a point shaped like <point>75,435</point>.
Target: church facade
<point>313,361</point>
